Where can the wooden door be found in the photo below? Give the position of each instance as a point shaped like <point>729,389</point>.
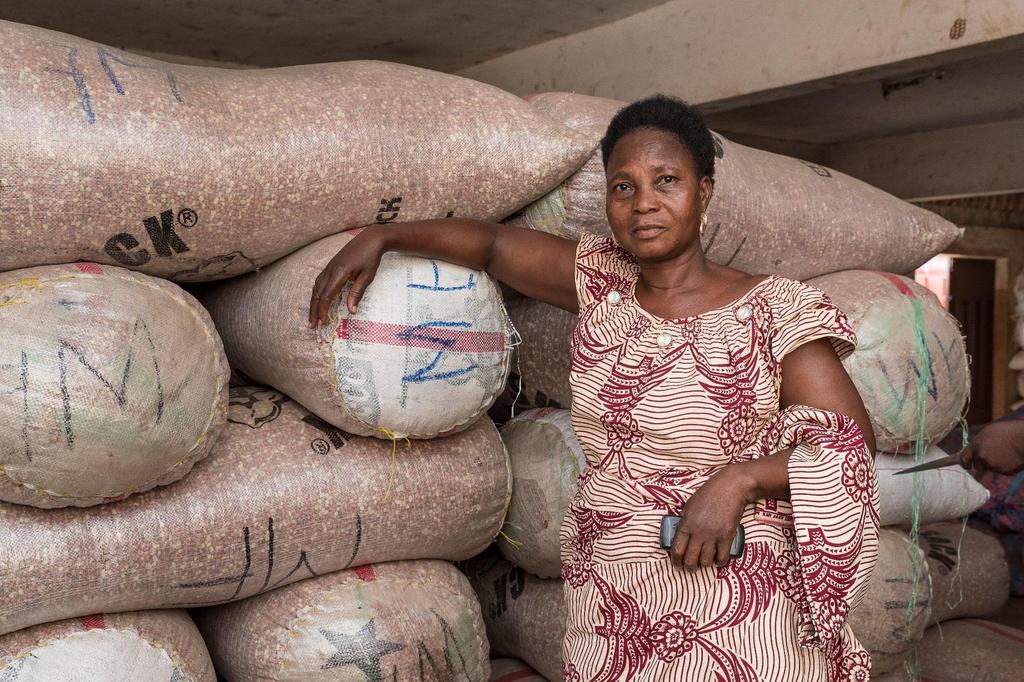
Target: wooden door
<point>972,301</point>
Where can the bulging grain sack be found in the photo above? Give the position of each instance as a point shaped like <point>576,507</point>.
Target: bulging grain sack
<point>972,650</point>
<point>425,355</point>
<point>578,204</point>
<point>546,460</point>
<point>525,615</point>
<point>968,569</point>
<point>947,493</point>
<point>406,620</point>
<point>513,670</point>
<point>1017,361</point>
<point>769,213</point>
<point>145,646</point>
<point>197,173</point>
<point>112,382</point>
<point>882,621</point>
<point>909,349</point>
<point>542,358</point>
<point>283,497</point>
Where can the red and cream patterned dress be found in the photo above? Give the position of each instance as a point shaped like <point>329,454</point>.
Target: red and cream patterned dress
<point>658,407</point>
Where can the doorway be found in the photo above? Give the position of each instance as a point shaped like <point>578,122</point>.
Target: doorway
<point>975,290</point>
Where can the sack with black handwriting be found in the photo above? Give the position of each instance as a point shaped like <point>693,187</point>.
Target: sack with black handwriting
<point>969,573</point>
<point>111,382</point>
<point>283,496</point>
<point>896,608</point>
<point>403,620</point>
<point>197,173</point>
<point>525,615</point>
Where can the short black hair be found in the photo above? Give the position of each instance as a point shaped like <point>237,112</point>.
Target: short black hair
<point>669,114</point>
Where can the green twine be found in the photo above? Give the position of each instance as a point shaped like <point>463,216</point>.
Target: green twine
<point>917,564</point>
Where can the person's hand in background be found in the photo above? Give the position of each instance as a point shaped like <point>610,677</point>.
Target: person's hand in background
<point>999,447</point>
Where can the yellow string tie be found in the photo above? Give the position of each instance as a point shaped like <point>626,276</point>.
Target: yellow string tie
<point>394,459</point>
<point>516,544</point>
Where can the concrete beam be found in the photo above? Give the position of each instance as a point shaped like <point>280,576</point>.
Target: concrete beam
<point>940,164</point>
<point>726,54</point>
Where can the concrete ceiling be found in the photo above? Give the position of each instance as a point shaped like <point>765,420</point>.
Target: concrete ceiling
<point>979,90</point>
<point>999,210</point>
<point>445,36</point>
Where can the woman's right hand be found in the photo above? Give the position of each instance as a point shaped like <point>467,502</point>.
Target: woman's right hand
<point>356,262</point>
<point>535,264</point>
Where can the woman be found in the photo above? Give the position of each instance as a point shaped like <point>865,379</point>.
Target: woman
<point>697,390</point>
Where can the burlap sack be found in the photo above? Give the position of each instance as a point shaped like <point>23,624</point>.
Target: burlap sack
<point>427,335</point>
<point>542,361</point>
<point>947,493</point>
<point>144,646</point>
<point>284,496</point>
<point>968,569</point>
<point>196,173</point>
<point>972,651</point>
<point>546,461</point>
<point>111,382</point>
<point>908,349</point>
<point>1017,361</point>
<point>525,615</point>
<point>881,621</point>
<point>578,204</point>
<point>769,213</point>
<point>407,620</point>
<point>513,670</point>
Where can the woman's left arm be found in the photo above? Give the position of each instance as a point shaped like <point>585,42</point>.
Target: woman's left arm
<point>812,375</point>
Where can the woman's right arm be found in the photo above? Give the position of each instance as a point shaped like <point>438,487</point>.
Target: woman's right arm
<point>536,264</point>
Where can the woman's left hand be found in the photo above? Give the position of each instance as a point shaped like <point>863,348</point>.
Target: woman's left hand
<point>709,520</point>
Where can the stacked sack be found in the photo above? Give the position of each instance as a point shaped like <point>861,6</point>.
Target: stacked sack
<point>329,490</point>
<point>309,515</point>
<point>769,214</point>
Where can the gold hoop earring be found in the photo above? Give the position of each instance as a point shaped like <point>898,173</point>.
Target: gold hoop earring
<point>703,222</point>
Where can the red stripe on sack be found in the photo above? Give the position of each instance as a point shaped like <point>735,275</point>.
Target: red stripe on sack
<point>992,628</point>
<point>94,622</point>
<point>518,675</point>
<point>900,285</point>
<point>366,574</point>
<point>434,338</point>
<point>89,268</point>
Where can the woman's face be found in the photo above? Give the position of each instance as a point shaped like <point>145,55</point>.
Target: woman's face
<point>654,197</point>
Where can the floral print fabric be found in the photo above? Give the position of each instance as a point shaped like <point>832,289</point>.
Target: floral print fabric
<point>659,406</point>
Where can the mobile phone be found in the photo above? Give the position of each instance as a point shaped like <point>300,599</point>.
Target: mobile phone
<point>668,531</point>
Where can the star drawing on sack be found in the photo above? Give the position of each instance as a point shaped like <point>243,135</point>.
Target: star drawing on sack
<point>362,650</point>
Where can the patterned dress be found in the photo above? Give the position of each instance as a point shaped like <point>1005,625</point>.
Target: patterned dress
<point>658,407</point>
